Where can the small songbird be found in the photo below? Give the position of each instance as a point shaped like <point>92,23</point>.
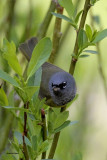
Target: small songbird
<point>57,85</point>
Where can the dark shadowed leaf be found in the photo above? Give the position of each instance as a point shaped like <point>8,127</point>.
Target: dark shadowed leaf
<point>84,56</point>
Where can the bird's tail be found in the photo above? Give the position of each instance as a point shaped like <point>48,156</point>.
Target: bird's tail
<point>27,47</point>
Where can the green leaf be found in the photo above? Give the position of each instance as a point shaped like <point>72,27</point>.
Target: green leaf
<point>61,118</point>
<point>100,36</point>
<point>94,35</point>
<point>19,138</point>
<point>35,80</point>
<point>3,98</point>
<point>68,5</point>
<point>6,77</point>
<point>9,54</point>
<point>84,56</point>
<point>44,147</point>
<point>65,124</point>
<point>88,31</point>
<point>78,16</point>
<point>16,108</point>
<point>27,141</point>
<point>65,18</point>
<point>11,98</point>
<point>82,39</point>
<point>34,142</point>
<point>40,54</point>
<point>7,157</point>
<point>91,51</point>
<point>30,90</point>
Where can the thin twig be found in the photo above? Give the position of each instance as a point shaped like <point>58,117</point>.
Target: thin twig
<point>82,23</point>
<point>44,128</point>
<point>45,24</point>
<point>56,34</point>
<point>25,152</point>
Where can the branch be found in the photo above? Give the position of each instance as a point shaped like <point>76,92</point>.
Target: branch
<point>82,23</point>
<point>55,140</point>
<point>56,34</point>
<point>25,152</point>
<point>45,24</point>
<point>44,130</point>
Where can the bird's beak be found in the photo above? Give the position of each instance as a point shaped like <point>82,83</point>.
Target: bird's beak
<point>56,89</point>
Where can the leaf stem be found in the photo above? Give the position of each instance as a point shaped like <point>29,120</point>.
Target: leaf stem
<point>82,23</point>
<point>56,34</point>
<point>25,152</point>
<point>45,24</point>
<point>44,130</point>
<point>55,140</point>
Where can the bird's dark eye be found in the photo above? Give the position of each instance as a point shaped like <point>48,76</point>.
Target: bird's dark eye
<point>62,85</point>
<point>55,85</point>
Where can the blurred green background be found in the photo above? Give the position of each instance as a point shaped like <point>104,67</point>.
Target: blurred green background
<point>87,139</point>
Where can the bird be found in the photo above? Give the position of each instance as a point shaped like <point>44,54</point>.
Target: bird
<point>57,85</point>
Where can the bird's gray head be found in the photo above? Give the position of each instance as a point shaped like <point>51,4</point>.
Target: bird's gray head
<point>62,88</point>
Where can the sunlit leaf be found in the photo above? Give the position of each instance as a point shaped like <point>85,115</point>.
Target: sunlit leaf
<point>40,54</point>
<point>3,98</point>
<point>9,53</point>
